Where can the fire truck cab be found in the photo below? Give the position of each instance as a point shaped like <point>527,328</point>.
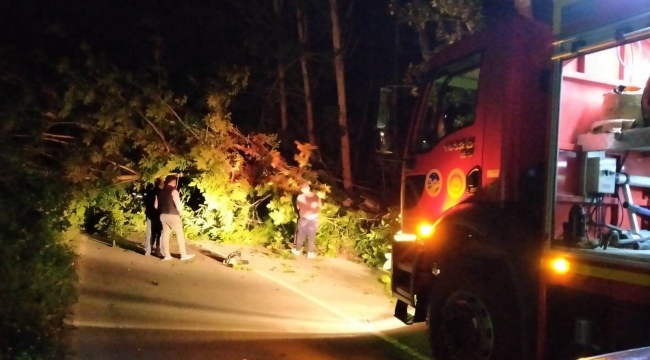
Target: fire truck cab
<point>525,185</point>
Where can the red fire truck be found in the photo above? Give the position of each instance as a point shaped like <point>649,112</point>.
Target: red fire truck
<point>525,186</point>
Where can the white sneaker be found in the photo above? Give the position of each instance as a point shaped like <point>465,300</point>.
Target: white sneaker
<point>295,252</point>
<point>311,255</point>
<point>167,258</point>
<point>188,257</point>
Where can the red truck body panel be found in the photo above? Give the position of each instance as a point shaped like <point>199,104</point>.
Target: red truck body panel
<point>521,122</point>
<point>509,137</point>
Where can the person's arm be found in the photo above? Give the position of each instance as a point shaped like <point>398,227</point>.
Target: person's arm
<point>155,202</point>
<point>299,201</point>
<point>177,200</point>
<point>317,203</point>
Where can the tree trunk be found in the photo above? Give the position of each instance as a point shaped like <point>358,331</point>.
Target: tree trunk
<point>302,38</point>
<point>340,86</point>
<point>423,39</point>
<point>396,72</point>
<point>283,98</point>
<point>277,7</point>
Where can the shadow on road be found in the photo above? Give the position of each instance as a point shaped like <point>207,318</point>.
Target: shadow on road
<point>171,344</point>
<point>118,241</point>
<point>212,255</point>
<point>134,246</point>
<point>205,309</point>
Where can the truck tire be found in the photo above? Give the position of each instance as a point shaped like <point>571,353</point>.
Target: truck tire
<point>473,315</point>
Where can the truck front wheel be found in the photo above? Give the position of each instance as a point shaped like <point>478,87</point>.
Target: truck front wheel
<point>472,316</point>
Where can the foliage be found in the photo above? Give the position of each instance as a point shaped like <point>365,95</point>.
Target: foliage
<point>36,265</point>
<point>115,211</point>
<point>240,189</point>
<point>438,23</point>
<point>387,281</point>
<point>451,19</point>
<point>128,131</point>
<point>36,269</point>
<point>38,290</point>
<point>377,242</point>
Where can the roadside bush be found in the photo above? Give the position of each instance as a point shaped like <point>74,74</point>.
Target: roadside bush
<point>36,271</point>
<point>37,292</point>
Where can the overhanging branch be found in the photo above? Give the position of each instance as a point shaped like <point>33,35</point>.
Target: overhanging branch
<point>182,122</point>
<point>123,167</point>
<point>162,137</point>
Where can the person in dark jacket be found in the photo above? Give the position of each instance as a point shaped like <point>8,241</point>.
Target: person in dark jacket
<point>168,202</point>
<point>154,226</point>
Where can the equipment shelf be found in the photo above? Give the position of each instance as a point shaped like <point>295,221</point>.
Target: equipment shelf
<point>632,139</point>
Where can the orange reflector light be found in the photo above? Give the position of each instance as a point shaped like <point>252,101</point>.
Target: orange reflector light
<point>425,230</point>
<point>560,265</point>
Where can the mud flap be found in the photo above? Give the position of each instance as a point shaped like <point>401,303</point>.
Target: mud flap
<point>401,311</point>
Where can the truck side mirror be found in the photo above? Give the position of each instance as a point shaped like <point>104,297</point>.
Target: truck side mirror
<point>383,121</point>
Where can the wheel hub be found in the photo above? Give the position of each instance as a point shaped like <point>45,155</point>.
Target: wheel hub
<point>467,327</point>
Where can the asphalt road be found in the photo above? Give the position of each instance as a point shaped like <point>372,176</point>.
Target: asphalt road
<point>136,307</point>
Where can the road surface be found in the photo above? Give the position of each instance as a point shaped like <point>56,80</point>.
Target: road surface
<point>136,307</point>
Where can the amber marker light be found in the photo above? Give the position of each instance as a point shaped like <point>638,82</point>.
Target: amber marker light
<point>425,230</point>
<point>560,265</point>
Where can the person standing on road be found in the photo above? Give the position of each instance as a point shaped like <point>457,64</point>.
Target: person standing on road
<point>154,226</point>
<point>168,202</point>
<point>309,205</point>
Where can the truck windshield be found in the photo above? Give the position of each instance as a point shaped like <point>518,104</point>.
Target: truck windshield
<point>451,104</point>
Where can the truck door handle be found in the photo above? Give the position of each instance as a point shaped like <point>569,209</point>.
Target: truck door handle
<point>474,180</point>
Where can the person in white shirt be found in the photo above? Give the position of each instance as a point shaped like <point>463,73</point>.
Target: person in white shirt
<point>168,202</point>
<point>309,205</point>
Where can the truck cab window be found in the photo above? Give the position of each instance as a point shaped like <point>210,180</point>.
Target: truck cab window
<point>451,103</point>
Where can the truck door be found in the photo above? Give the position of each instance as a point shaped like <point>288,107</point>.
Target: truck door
<point>448,141</point>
